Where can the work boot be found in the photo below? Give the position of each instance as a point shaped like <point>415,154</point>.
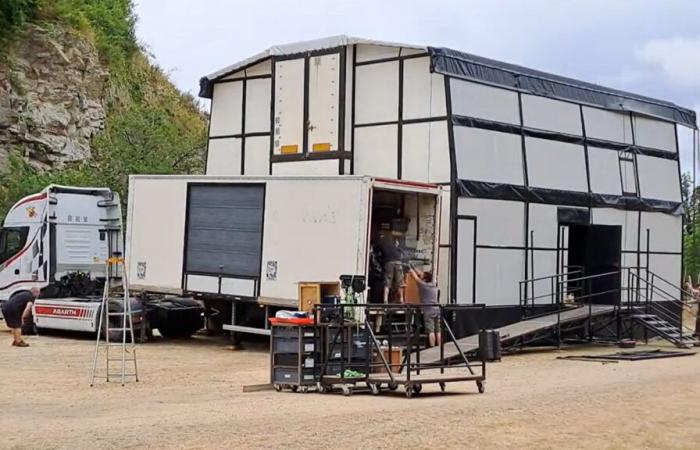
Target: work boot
<point>20,344</point>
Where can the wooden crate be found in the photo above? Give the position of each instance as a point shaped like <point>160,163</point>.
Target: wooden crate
<point>311,293</point>
<point>394,360</point>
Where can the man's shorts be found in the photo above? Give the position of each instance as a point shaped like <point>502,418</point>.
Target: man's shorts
<point>393,275</point>
<point>12,319</point>
<point>432,322</point>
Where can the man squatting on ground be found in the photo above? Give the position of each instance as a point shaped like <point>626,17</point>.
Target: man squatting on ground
<point>16,311</point>
<point>428,292</point>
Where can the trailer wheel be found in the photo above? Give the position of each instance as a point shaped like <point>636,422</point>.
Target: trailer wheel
<point>347,391</point>
<point>375,388</point>
<point>321,388</point>
<point>409,391</point>
<point>481,386</point>
<point>277,387</point>
<point>393,386</point>
<point>303,389</point>
<point>417,388</point>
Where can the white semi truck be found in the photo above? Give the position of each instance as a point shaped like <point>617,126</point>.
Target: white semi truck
<point>58,240</point>
<point>243,244</point>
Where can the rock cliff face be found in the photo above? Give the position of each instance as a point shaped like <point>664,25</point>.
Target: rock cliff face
<point>51,90</point>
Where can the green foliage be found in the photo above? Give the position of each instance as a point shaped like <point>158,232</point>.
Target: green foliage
<point>13,13</point>
<point>691,229</point>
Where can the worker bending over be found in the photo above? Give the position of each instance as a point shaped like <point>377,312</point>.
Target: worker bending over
<point>16,311</point>
<point>428,291</point>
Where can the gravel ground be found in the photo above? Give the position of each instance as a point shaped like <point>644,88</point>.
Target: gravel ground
<point>190,396</point>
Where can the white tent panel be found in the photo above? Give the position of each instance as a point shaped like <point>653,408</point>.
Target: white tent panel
<point>667,267</point>
<point>374,52</point>
<point>425,152</point>
<point>607,125</point>
<point>628,220</point>
<point>543,225</point>
<point>543,263</point>
<point>407,51</point>
<point>499,222</point>
<point>556,165</point>
<point>306,168</point>
<point>445,216</point>
<point>628,174</point>
<point>658,178</point>
<point>262,68</point>
<point>235,75</point>
<point>289,104</point>
<point>257,156</point>
<point>347,145</point>
<point>604,171</point>
<point>629,260</point>
<point>226,109</point>
<point>665,232</point>
<point>324,89</point>
<point>443,277</point>
<point>484,102</point>
<point>375,151</point>
<point>377,93</point>
<point>257,105</point>
<point>224,157</point>
<point>485,155</point>
<point>655,133</point>
<point>498,272</point>
<point>553,115</point>
<point>465,260</point>
<point>423,92</point>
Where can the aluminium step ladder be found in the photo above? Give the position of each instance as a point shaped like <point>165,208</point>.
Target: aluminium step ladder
<point>122,362</point>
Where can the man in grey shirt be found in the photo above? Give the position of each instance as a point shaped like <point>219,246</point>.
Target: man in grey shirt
<point>428,291</point>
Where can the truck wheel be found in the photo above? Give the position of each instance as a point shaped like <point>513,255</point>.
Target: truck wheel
<point>171,332</point>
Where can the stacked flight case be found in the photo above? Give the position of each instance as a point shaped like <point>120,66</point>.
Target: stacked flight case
<point>294,353</point>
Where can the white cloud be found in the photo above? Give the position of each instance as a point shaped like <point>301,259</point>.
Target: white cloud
<point>678,58</point>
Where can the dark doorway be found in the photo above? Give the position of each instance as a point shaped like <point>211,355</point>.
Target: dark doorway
<point>597,250</point>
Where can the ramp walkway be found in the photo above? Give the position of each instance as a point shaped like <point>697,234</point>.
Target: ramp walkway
<point>524,330</point>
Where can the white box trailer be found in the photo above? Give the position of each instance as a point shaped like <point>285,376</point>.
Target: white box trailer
<point>240,242</point>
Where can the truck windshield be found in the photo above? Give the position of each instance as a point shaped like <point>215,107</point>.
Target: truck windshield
<point>12,240</point>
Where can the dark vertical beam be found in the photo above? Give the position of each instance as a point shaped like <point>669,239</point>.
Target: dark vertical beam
<point>211,109</point>
<point>526,182</point>
<point>342,82</point>
<point>399,139</point>
<point>585,150</point>
<point>352,113</point>
<point>243,103</point>
<point>453,196</point>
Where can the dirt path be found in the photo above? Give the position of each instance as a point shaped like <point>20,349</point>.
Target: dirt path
<point>190,397</point>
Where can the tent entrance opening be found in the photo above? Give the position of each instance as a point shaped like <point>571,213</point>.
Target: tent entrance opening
<point>596,249</point>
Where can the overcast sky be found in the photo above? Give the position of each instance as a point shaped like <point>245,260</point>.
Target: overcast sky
<point>647,47</point>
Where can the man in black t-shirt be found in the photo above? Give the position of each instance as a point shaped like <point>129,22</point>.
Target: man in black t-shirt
<point>16,310</point>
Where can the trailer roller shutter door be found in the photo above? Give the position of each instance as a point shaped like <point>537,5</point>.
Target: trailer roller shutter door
<point>224,230</point>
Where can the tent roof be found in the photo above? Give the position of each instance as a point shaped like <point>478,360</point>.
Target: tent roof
<point>471,67</point>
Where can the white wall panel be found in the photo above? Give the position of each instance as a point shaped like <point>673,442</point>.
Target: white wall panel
<point>257,156</point>
<point>556,165</point>
<point>224,157</point>
<point>498,272</point>
<point>485,102</point>
<point>485,155</point>
<point>306,168</point>
<point>257,105</point>
<point>465,261</point>
<point>545,264</point>
<point>499,222</point>
<point>263,68</point>
<point>445,216</point>
<point>628,220</point>
<point>226,109</point>
<point>423,92</point>
<point>543,222</point>
<point>667,267</point>
<point>289,104</point>
<point>604,171</point>
<point>376,151</point>
<point>377,93</point>
<point>658,178</point>
<point>655,133</point>
<point>237,286</point>
<point>425,152</point>
<point>607,125</point>
<point>347,145</point>
<point>202,283</point>
<point>552,115</point>
<point>367,52</point>
<point>324,89</point>
<point>665,232</point>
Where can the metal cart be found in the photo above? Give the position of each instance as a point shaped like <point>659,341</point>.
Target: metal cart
<point>293,356</point>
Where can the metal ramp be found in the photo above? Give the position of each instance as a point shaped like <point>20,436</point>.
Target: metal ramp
<point>523,332</point>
